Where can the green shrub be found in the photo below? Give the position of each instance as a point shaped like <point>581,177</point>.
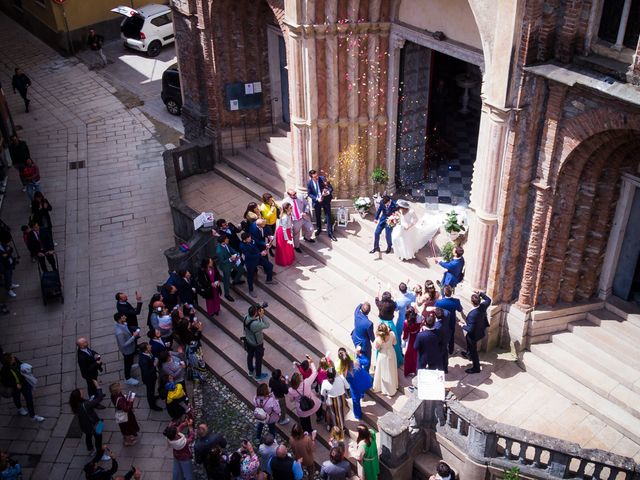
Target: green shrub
<point>447,251</point>
<point>380,175</point>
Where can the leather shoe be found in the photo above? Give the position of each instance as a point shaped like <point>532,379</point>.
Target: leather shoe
<point>375,250</point>
<point>238,282</point>
<point>333,237</point>
<point>229,298</point>
<point>298,249</point>
<point>310,240</point>
<point>388,250</point>
<point>472,370</point>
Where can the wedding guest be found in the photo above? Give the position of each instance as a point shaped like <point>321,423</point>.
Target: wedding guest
<point>303,445</point>
<point>206,440</point>
<point>266,450</point>
<point>269,406</point>
<point>124,411</point>
<point>454,268</point>
<point>362,334</point>
<point>451,305</point>
<point>428,345</point>
<point>181,446</point>
<point>337,467</point>
<point>278,384</point>
<point>231,231</point>
<point>230,263</point>
<point>283,467</point>
<point>386,310</point>
<point>149,374</point>
<point>475,327</point>
<point>333,391</point>
<point>270,211</point>
<point>321,194</point>
<point>406,298</point>
<point>443,472</point>
<point>126,341</point>
<point>409,334</point>
<point>217,466</point>
<point>359,382</point>
<point>300,214</point>
<point>90,424</point>
<point>255,257</point>
<point>285,254</point>
<point>208,285</point>
<point>428,298</point>
<point>302,396</point>
<point>367,456</point>
<point>443,329</point>
<point>250,215</point>
<point>385,378</point>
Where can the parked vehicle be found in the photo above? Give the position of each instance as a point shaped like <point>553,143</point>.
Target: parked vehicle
<point>146,29</point>
<point>171,94</point>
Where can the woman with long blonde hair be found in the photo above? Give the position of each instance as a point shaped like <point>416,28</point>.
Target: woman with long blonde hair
<point>385,378</point>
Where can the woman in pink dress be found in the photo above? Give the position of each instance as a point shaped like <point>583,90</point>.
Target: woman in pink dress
<point>285,254</point>
<point>208,283</point>
<point>409,333</point>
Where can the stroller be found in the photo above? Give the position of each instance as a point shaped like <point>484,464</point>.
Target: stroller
<point>195,362</point>
<point>50,283</point>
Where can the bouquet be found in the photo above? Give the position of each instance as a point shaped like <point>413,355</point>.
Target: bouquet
<point>394,219</point>
<point>362,204</point>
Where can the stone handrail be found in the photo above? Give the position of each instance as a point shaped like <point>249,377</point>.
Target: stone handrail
<point>495,445</point>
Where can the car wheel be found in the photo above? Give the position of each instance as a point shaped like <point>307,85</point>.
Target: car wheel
<point>154,48</point>
<point>172,107</point>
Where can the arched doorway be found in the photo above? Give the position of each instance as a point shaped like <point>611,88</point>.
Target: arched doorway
<point>594,221</point>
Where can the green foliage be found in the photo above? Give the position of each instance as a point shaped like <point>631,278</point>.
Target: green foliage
<point>447,251</point>
<point>512,474</point>
<point>380,175</point>
<point>451,223</point>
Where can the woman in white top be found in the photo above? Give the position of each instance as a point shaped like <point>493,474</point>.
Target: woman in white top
<point>412,233</point>
<point>333,389</point>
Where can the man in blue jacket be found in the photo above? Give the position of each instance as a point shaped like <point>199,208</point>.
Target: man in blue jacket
<point>451,305</point>
<point>362,334</point>
<point>385,210</point>
<point>429,346</point>
<point>475,327</point>
<point>254,257</point>
<point>453,274</point>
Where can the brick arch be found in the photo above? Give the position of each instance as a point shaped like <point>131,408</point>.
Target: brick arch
<point>583,207</point>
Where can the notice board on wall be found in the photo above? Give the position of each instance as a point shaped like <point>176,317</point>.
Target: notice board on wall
<point>243,96</point>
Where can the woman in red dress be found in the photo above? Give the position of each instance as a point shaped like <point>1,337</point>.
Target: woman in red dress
<point>124,404</point>
<point>208,282</point>
<point>410,331</point>
<point>285,254</point>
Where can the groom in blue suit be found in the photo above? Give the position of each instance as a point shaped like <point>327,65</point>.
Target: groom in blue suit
<point>386,208</point>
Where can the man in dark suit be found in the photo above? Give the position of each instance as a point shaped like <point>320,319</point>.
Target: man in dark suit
<point>254,257</point>
<point>149,374</point>
<point>260,234</point>
<point>90,364</point>
<point>40,245</point>
<point>19,152</point>
<point>125,308</point>
<point>362,334</point>
<point>443,328</point>
<point>185,287</point>
<point>321,193</point>
<point>475,327</point>
<point>428,346</point>
<point>231,231</point>
<point>386,208</point>
<point>230,265</point>
<point>451,305</point>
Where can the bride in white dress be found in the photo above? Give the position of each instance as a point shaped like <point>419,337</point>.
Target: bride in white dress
<point>412,233</point>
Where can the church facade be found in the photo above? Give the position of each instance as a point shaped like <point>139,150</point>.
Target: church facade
<point>525,111</point>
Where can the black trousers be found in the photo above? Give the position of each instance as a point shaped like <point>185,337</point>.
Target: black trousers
<point>256,353</point>
<point>92,390</point>
<point>151,391</point>
<point>472,351</point>
<point>318,208</point>
<point>305,423</point>
<point>128,361</point>
<point>89,437</point>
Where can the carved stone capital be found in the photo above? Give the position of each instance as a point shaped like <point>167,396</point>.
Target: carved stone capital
<point>396,42</point>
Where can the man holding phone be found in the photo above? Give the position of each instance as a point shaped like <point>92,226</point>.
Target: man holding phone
<point>126,344</point>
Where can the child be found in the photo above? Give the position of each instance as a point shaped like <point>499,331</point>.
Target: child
<point>177,401</point>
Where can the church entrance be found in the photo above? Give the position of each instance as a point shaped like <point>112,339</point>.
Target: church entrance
<point>626,281</point>
<point>438,124</point>
<point>279,77</point>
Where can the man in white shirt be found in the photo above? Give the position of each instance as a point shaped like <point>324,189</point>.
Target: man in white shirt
<point>301,219</point>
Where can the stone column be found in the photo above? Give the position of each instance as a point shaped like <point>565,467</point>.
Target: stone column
<point>487,174</point>
<point>395,45</point>
<point>633,74</point>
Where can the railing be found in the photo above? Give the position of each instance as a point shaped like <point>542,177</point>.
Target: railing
<point>495,446</point>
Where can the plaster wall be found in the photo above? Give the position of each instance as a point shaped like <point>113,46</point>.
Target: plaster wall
<point>453,17</point>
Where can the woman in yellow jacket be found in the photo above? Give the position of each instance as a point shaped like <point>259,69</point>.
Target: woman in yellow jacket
<point>270,211</point>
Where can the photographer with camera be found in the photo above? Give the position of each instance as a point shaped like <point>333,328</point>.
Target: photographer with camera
<point>254,323</point>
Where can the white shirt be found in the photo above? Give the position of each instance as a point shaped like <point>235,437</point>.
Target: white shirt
<point>333,390</point>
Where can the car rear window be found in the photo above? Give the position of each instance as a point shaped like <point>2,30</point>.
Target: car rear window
<point>132,26</point>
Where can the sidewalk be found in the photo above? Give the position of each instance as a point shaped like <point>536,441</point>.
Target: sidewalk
<point>111,221</point>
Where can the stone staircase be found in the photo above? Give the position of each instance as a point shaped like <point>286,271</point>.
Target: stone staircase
<point>596,364</point>
<point>266,162</point>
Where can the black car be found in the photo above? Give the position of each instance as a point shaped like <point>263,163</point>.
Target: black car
<point>171,94</point>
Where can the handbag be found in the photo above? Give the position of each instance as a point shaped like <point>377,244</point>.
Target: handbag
<point>259,413</point>
<point>121,415</point>
<point>306,403</point>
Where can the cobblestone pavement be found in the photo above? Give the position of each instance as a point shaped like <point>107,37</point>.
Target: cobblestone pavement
<point>111,221</point>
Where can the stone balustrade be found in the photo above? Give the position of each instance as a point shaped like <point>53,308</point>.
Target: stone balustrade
<point>480,448</point>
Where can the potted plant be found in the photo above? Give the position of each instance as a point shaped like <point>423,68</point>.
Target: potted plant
<point>447,251</point>
<point>512,474</point>
<point>380,175</point>
<point>451,225</point>
<point>362,205</point>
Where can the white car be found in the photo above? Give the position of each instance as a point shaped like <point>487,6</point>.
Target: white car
<point>147,28</point>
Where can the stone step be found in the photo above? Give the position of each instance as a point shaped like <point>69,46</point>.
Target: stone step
<point>266,177</point>
<point>290,349</point>
<point>229,349</point>
<point>606,340</point>
<point>581,369</point>
<point>277,148</point>
<point>607,360</point>
<point>425,464</point>
<point>615,324</point>
<point>245,389</point>
<point>605,409</point>
<point>264,163</point>
<point>626,310</point>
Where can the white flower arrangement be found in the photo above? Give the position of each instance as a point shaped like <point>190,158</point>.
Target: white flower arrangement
<point>362,204</point>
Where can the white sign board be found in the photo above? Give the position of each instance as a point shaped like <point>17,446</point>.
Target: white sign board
<point>248,88</point>
<point>431,384</point>
<point>233,105</point>
<point>257,87</point>
<point>205,219</point>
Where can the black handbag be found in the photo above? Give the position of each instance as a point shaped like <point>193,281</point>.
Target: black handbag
<point>306,403</point>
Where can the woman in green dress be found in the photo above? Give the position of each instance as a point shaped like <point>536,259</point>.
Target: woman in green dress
<point>368,462</point>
